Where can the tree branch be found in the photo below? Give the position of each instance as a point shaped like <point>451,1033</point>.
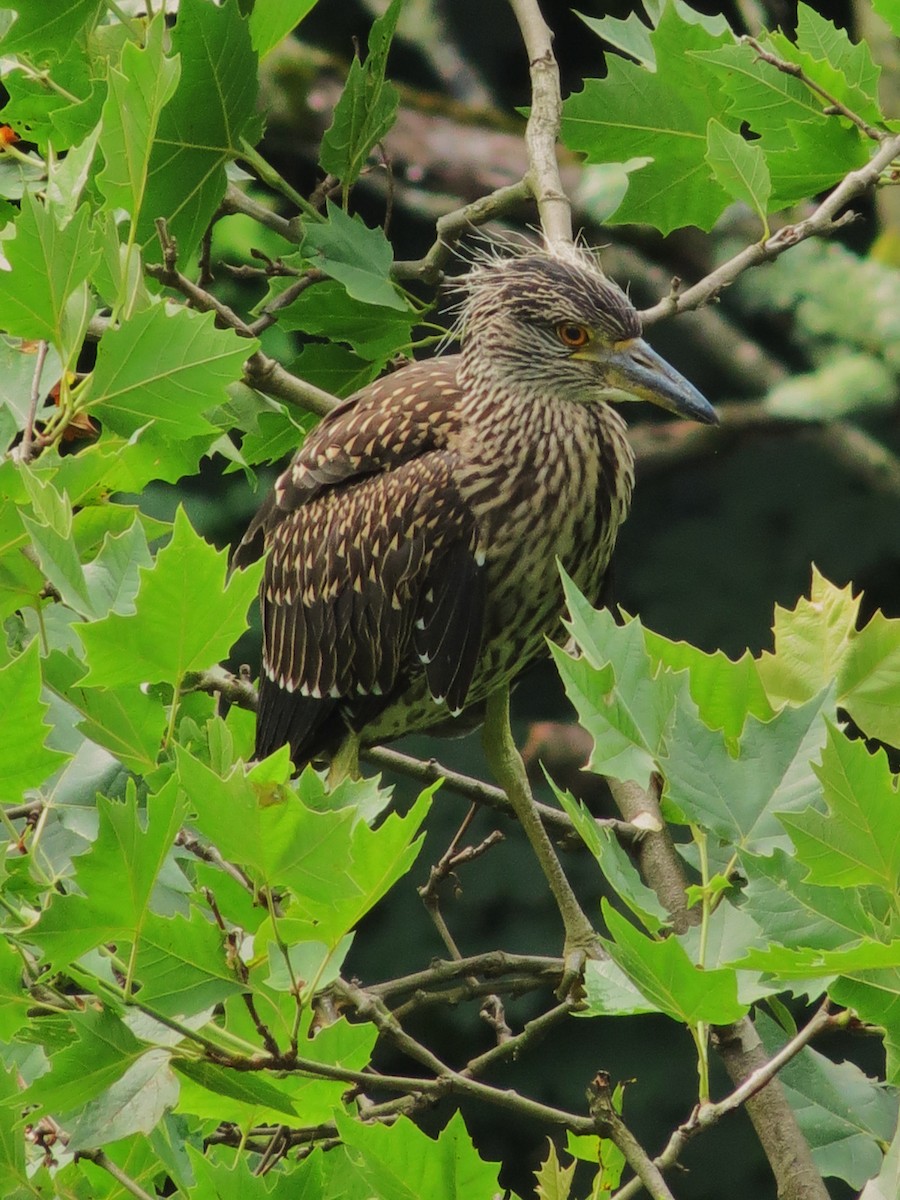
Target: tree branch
<point>542,130</point>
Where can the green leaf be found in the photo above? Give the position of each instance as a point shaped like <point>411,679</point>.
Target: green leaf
<point>737,798</point>
<point>182,965</point>
<point>663,973</point>
<point>126,721</point>
<point>186,617</point>
<point>631,36</point>
<point>818,641</point>
<point>272,20</point>
<point>336,866</point>
<point>250,1095</point>
<point>552,1180</point>
<point>401,1162</point>
<point>138,91</point>
<point>886,1184</point>
<point>608,991</point>
<point>40,27</point>
<point>663,115</point>
<point>14,1178</point>
<point>166,367</point>
<point>117,877</point>
<point>367,107</point>
<point>615,864</point>
<point>335,368</point>
<point>740,167</point>
<point>104,1050</point>
<point>807,964</point>
<point>845,1116</point>
<point>25,761</point>
<point>875,997</point>
<point>374,331</point>
<point>360,258</point>
<point>827,56</point>
<point>725,691</point>
<point>201,127</point>
<point>796,913</point>
<point>622,699</point>
<point>135,1103</point>
<point>40,294</point>
<point>858,841</point>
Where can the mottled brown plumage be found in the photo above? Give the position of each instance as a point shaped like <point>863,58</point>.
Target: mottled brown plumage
<point>413,541</point>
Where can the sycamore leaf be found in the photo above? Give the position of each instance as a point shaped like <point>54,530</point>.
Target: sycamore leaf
<point>117,877</point>
<point>663,973</point>
<point>272,20</point>
<point>359,257</point>
<point>622,699</point>
<point>403,1162</point>
<point>615,864</point>
<point>740,167</point>
<point>186,617</point>
<point>796,913</point>
<point>48,266</point>
<point>846,1117</point>
<point>135,1103</point>
<point>328,310</point>
<point>201,127</point>
<point>663,116</point>
<point>818,641</point>
<point>858,841</point>
<point>165,366</point>
<point>103,1050</point>
<point>43,27</point>
<point>738,797</point>
<point>25,760</point>
<point>552,1179</point>
<point>367,107</point>
<point>138,90</point>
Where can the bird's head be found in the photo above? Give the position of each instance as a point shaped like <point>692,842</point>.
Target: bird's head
<point>553,325</point>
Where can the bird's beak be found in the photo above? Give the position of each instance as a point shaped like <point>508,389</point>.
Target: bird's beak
<point>635,368</point>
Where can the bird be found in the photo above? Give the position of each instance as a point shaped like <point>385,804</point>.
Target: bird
<point>413,544</point>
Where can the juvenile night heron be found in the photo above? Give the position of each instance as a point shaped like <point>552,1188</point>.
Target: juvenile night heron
<point>413,541</point>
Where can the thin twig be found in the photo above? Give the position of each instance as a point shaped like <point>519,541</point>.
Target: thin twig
<point>835,106</point>
<point>703,1118</point>
<point>452,226</point>
<point>611,1125</point>
<point>488,795</point>
<point>105,1163</point>
<point>26,450</point>
<point>542,130</point>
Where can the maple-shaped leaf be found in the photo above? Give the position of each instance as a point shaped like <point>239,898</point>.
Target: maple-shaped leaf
<point>186,617</point>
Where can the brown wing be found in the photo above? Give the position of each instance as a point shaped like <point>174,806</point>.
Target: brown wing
<point>374,571</point>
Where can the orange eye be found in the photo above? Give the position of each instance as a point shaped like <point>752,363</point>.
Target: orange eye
<point>573,336</point>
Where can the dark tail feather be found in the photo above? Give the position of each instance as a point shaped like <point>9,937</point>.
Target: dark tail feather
<point>301,722</point>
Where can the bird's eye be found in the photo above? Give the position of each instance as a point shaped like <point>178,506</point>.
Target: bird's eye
<point>572,335</point>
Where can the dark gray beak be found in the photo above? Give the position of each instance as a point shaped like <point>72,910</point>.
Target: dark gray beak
<point>636,368</point>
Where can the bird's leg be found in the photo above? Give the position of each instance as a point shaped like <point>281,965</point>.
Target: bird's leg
<point>508,769</point>
<point>345,763</point>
